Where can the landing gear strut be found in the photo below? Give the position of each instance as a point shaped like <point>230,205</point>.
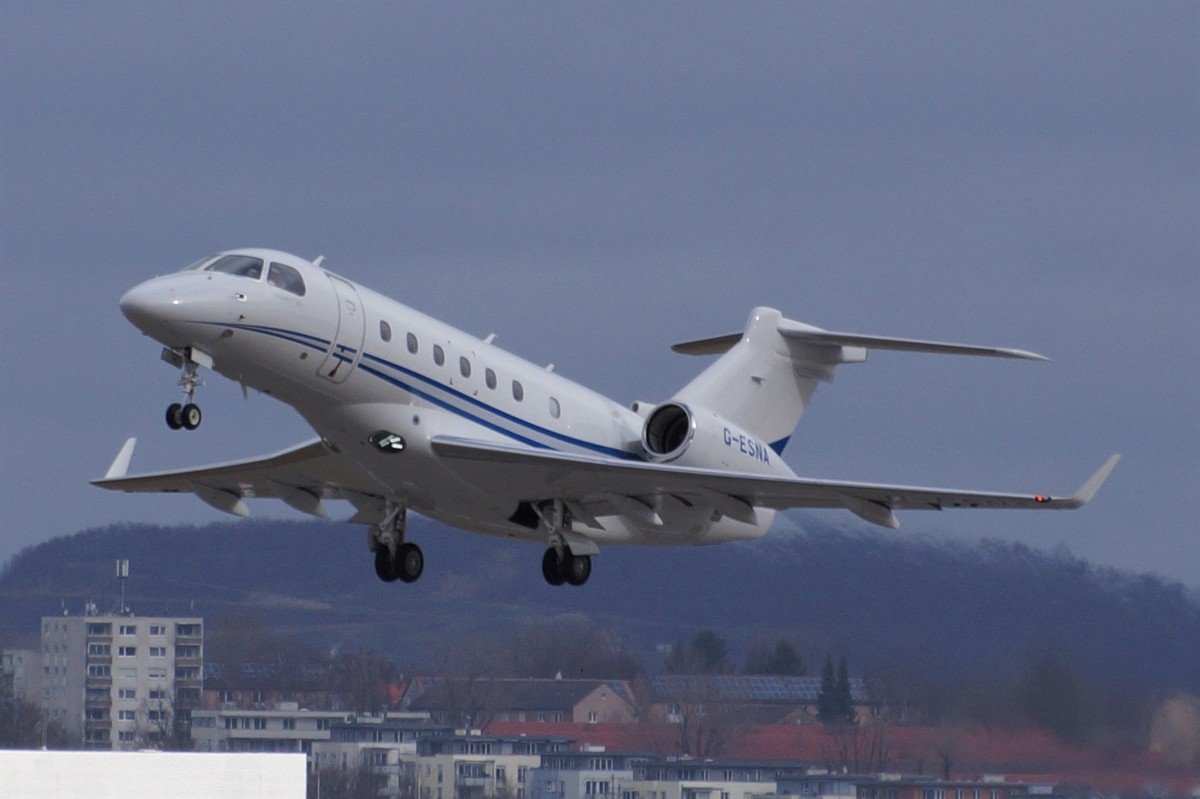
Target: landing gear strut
<point>395,559</point>
<point>186,415</point>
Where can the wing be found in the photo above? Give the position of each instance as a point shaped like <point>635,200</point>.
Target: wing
<point>302,477</point>
<point>585,478</point>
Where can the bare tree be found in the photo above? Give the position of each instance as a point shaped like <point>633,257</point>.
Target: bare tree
<point>361,679</point>
<point>856,748</point>
<point>25,726</point>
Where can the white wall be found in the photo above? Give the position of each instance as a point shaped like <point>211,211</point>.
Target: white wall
<point>150,775</point>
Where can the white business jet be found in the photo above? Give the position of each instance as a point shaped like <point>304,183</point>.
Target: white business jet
<point>411,413</point>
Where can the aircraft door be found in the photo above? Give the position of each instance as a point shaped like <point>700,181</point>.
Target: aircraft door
<point>346,351</point>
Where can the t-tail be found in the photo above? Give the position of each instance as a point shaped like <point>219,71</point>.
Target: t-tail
<point>767,374</point>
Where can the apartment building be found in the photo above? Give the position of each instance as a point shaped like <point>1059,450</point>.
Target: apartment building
<point>122,681</point>
<point>286,727</point>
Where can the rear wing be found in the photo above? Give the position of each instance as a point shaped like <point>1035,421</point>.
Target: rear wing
<point>807,334</point>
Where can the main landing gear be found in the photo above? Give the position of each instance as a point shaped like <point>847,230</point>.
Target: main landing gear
<point>184,415</point>
<point>560,566</point>
<point>395,559</point>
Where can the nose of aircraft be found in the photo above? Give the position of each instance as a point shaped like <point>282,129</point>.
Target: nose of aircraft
<point>146,305</point>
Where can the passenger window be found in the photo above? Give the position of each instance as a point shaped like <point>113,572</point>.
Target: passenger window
<point>285,277</point>
<point>439,356</point>
<point>241,265</point>
<point>518,391</point>
<point>385,330</point>
<point>555,408</point>
<point>489,377</point>
<point>412,343</point>
<point>464,366</point>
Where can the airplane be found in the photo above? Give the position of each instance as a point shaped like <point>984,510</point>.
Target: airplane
<point>413,414</point>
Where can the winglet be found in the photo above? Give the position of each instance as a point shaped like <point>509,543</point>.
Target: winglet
<point>1089,489</point>
<point>120,464</point>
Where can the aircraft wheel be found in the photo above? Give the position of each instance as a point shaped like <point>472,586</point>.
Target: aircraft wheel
<point>552,567</point>
<point>190,416</point>
<point>410,562</point>
<point>577,569</point>
<point>174,416</point>
<point>385,566</point>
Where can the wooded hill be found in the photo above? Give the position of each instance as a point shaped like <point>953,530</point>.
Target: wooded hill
<point>887,601</point>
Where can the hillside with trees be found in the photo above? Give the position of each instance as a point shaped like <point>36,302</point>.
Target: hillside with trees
<point>906,610</point>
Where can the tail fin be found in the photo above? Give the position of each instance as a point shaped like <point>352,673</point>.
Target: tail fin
<point>766,376</point>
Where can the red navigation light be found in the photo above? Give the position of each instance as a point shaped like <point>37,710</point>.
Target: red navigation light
<point>1040,498</point>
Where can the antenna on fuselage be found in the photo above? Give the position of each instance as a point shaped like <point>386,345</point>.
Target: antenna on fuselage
<point>320,259</point>
<point>490,338</point>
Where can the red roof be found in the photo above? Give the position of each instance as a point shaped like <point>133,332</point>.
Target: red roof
<point>1026,756</point>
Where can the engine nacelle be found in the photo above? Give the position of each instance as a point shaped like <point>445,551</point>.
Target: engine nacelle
<point>694,436</point>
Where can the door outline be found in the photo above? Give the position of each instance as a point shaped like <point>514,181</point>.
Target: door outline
<point>345,350</point>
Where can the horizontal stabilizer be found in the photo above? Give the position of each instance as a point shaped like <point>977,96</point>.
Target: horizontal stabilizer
<point>707,346</point>
<point>801,333</point>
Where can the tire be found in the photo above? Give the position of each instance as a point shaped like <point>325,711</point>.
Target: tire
<point>577,569</point>
<point>410,562</point>
<point>552,568</point>
<point>174,416</point>
<point>385,567</point>
<point>191,416</point>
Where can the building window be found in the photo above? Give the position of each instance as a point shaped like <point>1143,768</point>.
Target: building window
<point>126,715</point>
<point>412,343</point>
<point>127,651</point>
<point>158,629</point>
<point>126,693</point>
<point>128,629</point>
<point>518,391</point>
<point>591,717</point>
<point>260,723</point>
<point>95,628</point>
<point>125,736</point>
<point>385,330</point>
<point>127,673</point>
<point>99,649</point>
<point>158,651</point>
<point>158,693</point>
<point>555,408</point>
<point>464,366</point>
<point>289,724</point>
<point>161,674</point>
<point>190,630</point>
<point>439,355</point>
<point>98,671</point>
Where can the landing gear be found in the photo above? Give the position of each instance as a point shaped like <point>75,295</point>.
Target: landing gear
<point>561,566</point>
<point>187,415</point>
<point>395,559</point>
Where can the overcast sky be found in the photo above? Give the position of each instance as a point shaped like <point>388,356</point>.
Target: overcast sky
<point>593,183</point>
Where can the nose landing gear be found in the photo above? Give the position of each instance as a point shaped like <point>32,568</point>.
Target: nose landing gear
<point>186,415</point>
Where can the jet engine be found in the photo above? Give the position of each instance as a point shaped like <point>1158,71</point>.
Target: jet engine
<point>694,436</point>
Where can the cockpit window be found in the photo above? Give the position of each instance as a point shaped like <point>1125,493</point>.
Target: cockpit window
<point>242,265</point>
<point>203,262</point>
<point>285,277</point>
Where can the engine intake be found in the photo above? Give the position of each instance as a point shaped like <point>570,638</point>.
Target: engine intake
<point>668,431</point>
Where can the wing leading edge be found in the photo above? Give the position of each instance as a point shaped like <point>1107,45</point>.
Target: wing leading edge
<point>577,477</point>
<point>301,476</point>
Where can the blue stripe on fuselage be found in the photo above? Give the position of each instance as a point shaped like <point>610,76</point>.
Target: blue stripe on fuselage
<point>313,342</point>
